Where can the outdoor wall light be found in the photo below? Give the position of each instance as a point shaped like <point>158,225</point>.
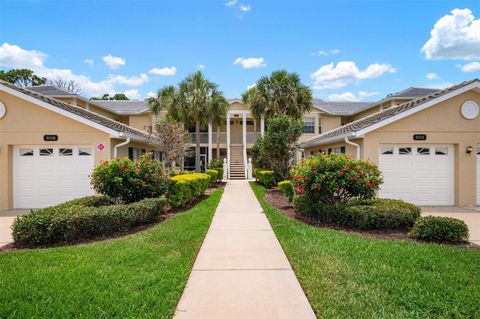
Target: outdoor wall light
<point>469,149</point>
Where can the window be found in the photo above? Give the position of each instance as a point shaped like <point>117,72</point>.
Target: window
<point>26,152</point>
<point>309,125</point>
<point>405,151</point>
<point>386,150</point>
<point>423,150</point>
<point>441,151</point>
<point>319,125</point>
<point>84,151</point>
<point>46,151</point>
<point>65,152</point>
<point>339,150</point>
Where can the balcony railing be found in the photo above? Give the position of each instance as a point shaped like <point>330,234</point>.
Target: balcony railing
<point>252,137</point>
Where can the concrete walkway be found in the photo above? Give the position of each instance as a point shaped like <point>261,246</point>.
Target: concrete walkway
<point>6,221</point>
<point>241,270</point>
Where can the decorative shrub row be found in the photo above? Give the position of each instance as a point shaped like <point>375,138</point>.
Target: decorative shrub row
<point>373,214</point>
<point>213,173</point>
<point>286,188</point>
<point>436,228</point>
<point>85,218</point>
<point>185,188</point>
<point>266,178</point>
<point>218,166</point>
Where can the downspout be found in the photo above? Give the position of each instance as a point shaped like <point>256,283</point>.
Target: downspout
<point>116,147</point>
<point>354,144</point>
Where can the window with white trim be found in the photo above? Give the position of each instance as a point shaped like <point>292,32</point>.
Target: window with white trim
<point>387,150</point>
<point>441,150</point>
<point>423,150</point>
<point>46,152</point>
<point>26,152</point>
<point>405,151</point>
<point>308,125</point>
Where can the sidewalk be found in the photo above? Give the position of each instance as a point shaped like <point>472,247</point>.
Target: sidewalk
<point>241,270</point>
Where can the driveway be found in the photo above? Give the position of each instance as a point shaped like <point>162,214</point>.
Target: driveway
<point>469,216</point>
<point>6,221</point>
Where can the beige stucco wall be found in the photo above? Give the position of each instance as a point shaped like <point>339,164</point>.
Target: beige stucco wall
<point>26,124</point>
<point>140,121</point>
<point>443,124</point>
<point>330,122</point>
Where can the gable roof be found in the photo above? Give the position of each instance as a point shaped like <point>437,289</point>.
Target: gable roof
<point>340,108</point>
<point>369,123</point>
<point>103,123</point>
<point>127,107</point>
<point>412,92</point>
<point>51,90</point>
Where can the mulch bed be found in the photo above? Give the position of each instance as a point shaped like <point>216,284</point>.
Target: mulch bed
<point>163,217</point>
<point>275,198</point>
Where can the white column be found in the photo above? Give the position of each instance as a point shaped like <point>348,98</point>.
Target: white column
<point>209,140</point>
<point>262,124</point>
<point>244,127</point>
<point>228,144</point>
<point>254,129</point>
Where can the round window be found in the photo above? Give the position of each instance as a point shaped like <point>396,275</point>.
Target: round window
<point>2,110</point>
<point>470,110</point>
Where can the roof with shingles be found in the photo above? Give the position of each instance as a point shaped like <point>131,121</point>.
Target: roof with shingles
<point>341,108</point>
<point>127,107</point>
<point>51,90</point>
<point>413,92</point>
<point>89,115</point>
<point>355,126</point>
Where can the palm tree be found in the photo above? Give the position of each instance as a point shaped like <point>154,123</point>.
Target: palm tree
<point>281,93</point>
<point>194,102</point>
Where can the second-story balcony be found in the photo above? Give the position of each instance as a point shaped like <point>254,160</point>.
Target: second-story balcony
<point>252,137</point>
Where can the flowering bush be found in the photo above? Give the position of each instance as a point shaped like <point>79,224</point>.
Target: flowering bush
<point>126,181</point>
<point>335,179</point>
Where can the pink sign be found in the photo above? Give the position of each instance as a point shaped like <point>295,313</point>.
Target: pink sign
<point>100,147</point>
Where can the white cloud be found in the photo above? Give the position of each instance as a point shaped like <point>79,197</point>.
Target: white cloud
<point>251,86</point>
<point>432,76</point>
<point>13,56</point>
<point>250,63</point>
<point>331,76</point>
<point>470,67</point>
<point>132,94</point>
<point>231,3</point>
<point>113,62</point>
<point>244,7</point>
<point>454,36</point>
<point>326,52</point>
<point>88,61</point>
<point>350,97</point>
<point>199,66</point>
<point>151,94</point>
<point>166,71</point>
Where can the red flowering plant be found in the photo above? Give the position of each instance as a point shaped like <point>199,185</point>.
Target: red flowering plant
<point>335,179</point>
<point>126,181</point>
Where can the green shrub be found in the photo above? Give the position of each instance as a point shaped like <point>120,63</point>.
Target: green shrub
<point>335,179</point>
<point>213,173</point>
<point>266,178</point>
<point>287,189</point>
<point>89,201</point>
<point>218,166</point>
<point>126,181</point>
<point>373,214</point>
<point>435,228</point>
<point>186,188</point>
<point>82,219</point>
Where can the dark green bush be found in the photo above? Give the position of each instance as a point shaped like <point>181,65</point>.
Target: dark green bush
<point>126,181</point>
<point>287,189</point>
<point>373,214</point>
<point>213,173</point>
<point>443,229</point>
<point>218,166</point>
<point>81,219</point>
<point>266,178</point>
<point>186,188</point>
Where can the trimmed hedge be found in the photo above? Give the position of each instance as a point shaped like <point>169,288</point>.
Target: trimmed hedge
<point>287,189</point>
<point>185,188</point>
<point>213,173</point>
<point>266,178</point>
<point>443,229</point>
<point>84,218</point>
<point>372,214</point>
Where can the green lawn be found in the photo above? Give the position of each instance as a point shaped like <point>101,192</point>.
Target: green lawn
<point>350,276</point>
<point>138,276</point>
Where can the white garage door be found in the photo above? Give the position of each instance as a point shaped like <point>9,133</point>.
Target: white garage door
<point>44,176</point>
<point>478,174</point>
<point>419,174</point>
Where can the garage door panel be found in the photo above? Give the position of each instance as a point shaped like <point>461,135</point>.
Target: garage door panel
<point>418,178</point>
<point>41,181</point>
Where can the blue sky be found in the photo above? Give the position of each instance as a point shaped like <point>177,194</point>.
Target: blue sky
<point>355,50</point>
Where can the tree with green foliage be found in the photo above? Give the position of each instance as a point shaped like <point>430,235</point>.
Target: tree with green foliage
<point>276,148</point>
<point>22,77</point>
<point>174,140</point>
<point>194,102</point>
<point>107,97</point>
<point>281,93</point>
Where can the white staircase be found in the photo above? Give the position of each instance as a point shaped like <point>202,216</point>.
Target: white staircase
<point>237,162</point>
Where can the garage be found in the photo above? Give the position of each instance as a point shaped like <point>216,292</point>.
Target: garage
<point>419,174</point>
<point>46,175</point>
